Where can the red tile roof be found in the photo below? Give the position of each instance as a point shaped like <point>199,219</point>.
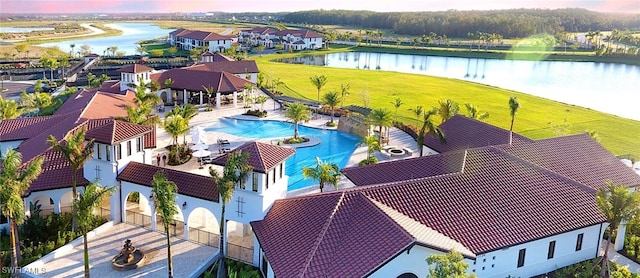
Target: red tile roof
<point>189,184</point>
<point>299,33</point>
<point>577,157</point>
<point>464,133</point>
<point>25,128</point>
<point>406,169</point>
<point>329,232</point>
<point>135,68</point>
<point>235,67</point>
<point>56,173</point>
<point>111,131</point>
<point>262,157</point>
<point>199,35</point>
<point>500,196</point>
<point>261,30</point>
<point>198,80</point>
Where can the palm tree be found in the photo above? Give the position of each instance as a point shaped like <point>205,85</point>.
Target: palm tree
<point>187,113</point>
<point>513,109</point>
<point>427,126</point>
<point>473,113</point>
<point>9,109</point>
<point>396,104</point>
<point>319,81</point>
<point>235,171</point>
<point>90,77</point>
<point>77,151</point>
<point>331,99</point>
<point>618,204</point>
<point>418,112</point>
<point>448,108</point>
<point>344,91</point>
<point>175,126</point>
<point>144,99</point>
<point>324,172</point>
<point>15,180</point>
<point>72,46</point>
<point>380,117</point>
<point>84,206</point>
<point>296,112</point>
<point>261,100</point>
<point>372,145</point>
<point>164,199</point>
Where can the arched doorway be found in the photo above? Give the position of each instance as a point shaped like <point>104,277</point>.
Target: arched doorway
<point>45,203</point>
<point>66,202</point>
<point>204,227</point>
<point>239,241</point>
<point>137,210</point>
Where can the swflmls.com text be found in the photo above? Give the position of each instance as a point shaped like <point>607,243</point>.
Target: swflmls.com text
<point>34,270</point>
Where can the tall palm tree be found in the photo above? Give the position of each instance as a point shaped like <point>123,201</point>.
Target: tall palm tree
<point>396,104</point>
<point>344,91</point>
<point>447,109</point>
<point>72,46</point>
<point>164,199</point>
<point>15,180</point>
<point>474,113</point>
<point>380,117</point>
<point>296,112</point>
<point>324,172</point>
<point>418,112</point>
<point>84,206</point>
<point>618,204</point>
<point>427,126</point>
<point>146,99</point>
<point>9,109</point>
<point>372,145</point>
<point>235,171</point>
<point>77,151</point>
<point>331,99</point>
<point>319,81</point>
<point>513,109</point>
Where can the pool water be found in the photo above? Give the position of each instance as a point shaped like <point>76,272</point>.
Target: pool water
<point>335,147</point>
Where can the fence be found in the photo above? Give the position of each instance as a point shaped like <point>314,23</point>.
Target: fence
<point>204,237</point>
<point>104,213</point>
<point>240,253</point>
<point>138,219</point>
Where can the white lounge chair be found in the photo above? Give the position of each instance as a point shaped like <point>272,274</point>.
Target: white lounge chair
<point>409,151</point>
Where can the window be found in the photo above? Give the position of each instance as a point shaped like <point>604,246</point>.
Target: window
<point>128,148</point>
<point>579,242</point>
<point>118,152</point>
<point>281,170</point>
<point>139,144</point>
<point>254,182</point>
<point>274,175</point>
<point>552,249</point>
<point>107,152</point>
<point>267,181</point>
<point>99,152</point>
<point>521,255</point>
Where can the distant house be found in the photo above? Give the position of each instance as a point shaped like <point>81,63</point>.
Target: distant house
<point>289,39</point>
<point>521,210</point>
<point>190,39</point>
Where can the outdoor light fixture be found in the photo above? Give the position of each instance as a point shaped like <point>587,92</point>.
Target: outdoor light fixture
<point>184,205</point>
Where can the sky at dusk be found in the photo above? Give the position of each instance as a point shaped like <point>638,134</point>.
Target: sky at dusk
<point>162,6</point>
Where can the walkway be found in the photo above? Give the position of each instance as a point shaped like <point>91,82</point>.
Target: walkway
<point>619,259</point>
<point>187,256</point>
<point>206,119</point>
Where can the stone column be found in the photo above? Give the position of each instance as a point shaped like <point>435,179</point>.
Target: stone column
<point>218,100</point>
<point>201,98</point>
<point>235,99</point>
<point>184,97</point>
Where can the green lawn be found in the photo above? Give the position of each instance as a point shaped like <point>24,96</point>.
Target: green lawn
<point>535,119</point>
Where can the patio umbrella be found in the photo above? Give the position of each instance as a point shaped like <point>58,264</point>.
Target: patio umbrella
<point>200,146</point>
<point>198,136</point>
<point>202,151</point>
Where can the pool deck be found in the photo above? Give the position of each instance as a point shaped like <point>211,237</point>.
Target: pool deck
<point>205,119</point>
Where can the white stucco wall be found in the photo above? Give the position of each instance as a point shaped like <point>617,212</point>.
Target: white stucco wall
<point>214,46</point>
<point>502,263</point>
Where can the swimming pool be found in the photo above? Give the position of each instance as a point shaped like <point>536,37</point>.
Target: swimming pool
<point>336,146</point>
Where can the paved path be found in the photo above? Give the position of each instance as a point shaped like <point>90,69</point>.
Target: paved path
<point>619,259</point>
<point>187,255</point>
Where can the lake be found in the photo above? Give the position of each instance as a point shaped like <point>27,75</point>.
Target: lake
<point>127,42</point>
<point>606,87</point>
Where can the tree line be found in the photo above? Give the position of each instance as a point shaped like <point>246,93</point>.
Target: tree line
<point>514,23</point>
